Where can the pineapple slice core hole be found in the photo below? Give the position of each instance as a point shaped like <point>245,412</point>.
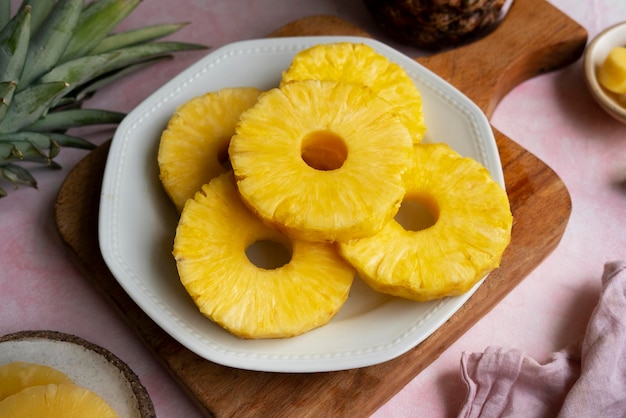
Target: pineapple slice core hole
<point>324,150</point>
<point>223,158</point>
<point>417,212</point>
<point>268,254</point>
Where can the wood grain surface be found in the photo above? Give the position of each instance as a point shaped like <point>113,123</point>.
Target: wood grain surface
<point>535,37</point>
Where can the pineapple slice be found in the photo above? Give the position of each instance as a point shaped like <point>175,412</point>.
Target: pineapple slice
<point>471,227</point>
<point>194,147</point>
<point>322,160</point>
<point>360,63</point>
<point>214,250</point>
<point>19,375</point>
<point>56,401</point>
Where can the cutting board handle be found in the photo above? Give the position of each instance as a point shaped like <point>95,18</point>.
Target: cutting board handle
<point>533,38</point>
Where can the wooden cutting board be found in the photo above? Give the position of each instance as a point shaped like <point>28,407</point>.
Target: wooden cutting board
<point>535,37</point>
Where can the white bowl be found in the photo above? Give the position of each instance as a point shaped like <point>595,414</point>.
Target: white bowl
<point>595,54</point>
<point>137,221</point>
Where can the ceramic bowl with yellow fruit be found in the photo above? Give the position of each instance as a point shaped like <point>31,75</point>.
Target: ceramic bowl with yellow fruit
<point>605,70</point>
<point>52,374</point>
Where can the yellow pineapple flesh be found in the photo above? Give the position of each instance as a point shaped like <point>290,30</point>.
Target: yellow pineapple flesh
<point>321,160</point>
<point>194,147</point>
<point>471,227</point>
<point>19,375</point>
<point>251,300</point>
<point>612,71</point>
<point>360,63</point>
<point>56,401</point>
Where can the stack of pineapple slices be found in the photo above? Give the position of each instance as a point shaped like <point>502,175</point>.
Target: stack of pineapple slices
<point>321,166</point>
<point>36,390</point>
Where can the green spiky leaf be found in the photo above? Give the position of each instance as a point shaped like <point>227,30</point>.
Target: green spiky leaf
<point>66,119</point>
<point>50,41</point>
<point>24,145</point>
<point>134,37</point>
<point>17,176</point>
<point>37,145</point>
<point>75,72</point>
<point>29,105</point>
<point>5,12</point>
<point>96,22</point>
<point>40,9</point>
<point>7,89</point>
<point>100,82</point>
<point>14,43</point>
<point>71,141</point>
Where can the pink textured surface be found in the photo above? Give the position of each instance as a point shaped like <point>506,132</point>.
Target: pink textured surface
<point>553,116</point>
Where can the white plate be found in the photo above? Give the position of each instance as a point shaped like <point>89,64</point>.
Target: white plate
<point>137,222</point>
<point>87,364</point>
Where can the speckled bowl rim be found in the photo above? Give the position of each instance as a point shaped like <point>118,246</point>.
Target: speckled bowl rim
<point>145,405</point>
<point>589,66</point>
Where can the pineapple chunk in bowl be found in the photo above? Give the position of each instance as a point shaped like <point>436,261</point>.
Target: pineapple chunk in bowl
<point>138,222</point>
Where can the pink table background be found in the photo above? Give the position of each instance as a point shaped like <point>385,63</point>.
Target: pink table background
<point>553,116</point>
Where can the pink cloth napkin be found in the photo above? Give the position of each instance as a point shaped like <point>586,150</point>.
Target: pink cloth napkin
<point>584,381</point>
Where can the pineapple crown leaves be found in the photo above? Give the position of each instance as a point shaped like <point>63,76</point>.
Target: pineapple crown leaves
<point>54,54</point>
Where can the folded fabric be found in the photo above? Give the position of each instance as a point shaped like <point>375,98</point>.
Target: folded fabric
<point>586,381</point>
